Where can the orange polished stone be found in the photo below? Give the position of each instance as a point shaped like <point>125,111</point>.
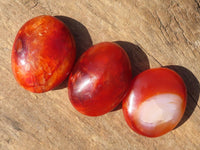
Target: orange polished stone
<point>43,54</point>
<point>100,79</point>
<point>155,102</point>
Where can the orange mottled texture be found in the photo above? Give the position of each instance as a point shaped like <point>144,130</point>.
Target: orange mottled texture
<point>100,79</point>
<point>148,84</point>
<point>43,54</point>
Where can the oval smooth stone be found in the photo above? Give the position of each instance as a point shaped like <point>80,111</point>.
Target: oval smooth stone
<point>155,102</point>
<point>100,79</point>
<point>43,54</point>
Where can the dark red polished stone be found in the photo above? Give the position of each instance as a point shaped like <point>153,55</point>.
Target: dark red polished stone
<point>100,79</point>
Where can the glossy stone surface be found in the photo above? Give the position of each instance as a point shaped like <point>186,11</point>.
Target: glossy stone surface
<point>155,102</point>
<point>43,54</point>
<point>100,79</point>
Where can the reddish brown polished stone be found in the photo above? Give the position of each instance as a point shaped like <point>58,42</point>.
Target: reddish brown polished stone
<point>43,54</point>
<point>155,102</point>
<point>100,79</point>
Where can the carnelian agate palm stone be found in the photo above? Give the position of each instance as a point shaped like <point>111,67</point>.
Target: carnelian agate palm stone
<point>155,102</point>
<point>100,79</point>
<point>43,54</point>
